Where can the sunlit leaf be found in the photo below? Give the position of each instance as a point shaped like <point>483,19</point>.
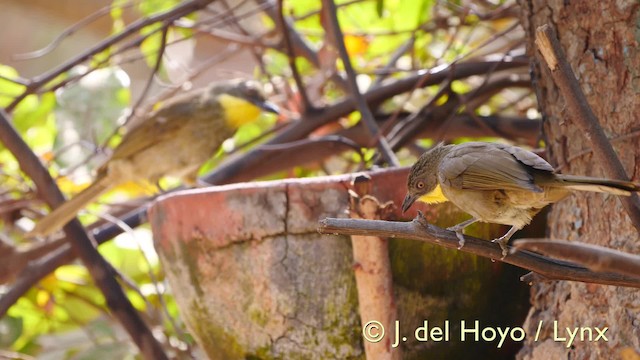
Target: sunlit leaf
<point>151,45</point>
<point>356,45</point>
<point>150,7</point>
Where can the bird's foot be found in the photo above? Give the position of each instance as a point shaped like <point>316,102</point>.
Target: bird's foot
<point>459,235</point>
<point>459,228</point>
<point>504,240</point>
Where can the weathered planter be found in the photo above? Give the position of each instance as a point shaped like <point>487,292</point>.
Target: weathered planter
<point>254,279</point>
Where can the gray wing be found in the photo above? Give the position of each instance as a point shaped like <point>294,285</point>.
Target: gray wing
<point>488,166</point>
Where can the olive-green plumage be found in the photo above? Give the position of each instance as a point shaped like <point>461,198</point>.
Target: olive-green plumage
<point>174,140</point>
<point>496,183</point>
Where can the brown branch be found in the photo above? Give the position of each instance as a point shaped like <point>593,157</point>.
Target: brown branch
<point>132,44</point>
<point>97,266</point>
<point>331,13</point>
<point>154,72</point>
<point>419,230</point>
<point>594,257</point>
<point>13,260</point>
<point>307,105</point>
<point>584,117</point>
<point>300,46</point>
<point>17,80</point>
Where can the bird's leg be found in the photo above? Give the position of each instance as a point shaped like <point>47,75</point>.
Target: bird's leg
<point>459,228</point>
<point>504,239</point>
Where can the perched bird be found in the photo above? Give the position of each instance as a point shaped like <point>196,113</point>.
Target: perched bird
<point>496,183</point>
<point>174,140</point>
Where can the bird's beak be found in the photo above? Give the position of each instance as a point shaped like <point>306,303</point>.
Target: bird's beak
<point>408,201</point>
<point>269,107</point>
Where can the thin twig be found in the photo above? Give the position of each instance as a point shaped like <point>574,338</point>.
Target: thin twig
<point>367,117</point>
<point>152,276</point>
<point>16,80</point>
<point>301,48</point>
<point>154,72</point>
<point>307,105</point>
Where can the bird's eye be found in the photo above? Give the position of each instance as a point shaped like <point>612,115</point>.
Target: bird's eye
<point>420,185</point>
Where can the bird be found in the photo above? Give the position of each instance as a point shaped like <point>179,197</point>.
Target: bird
<point>496,183</point>
<point>174,140</point>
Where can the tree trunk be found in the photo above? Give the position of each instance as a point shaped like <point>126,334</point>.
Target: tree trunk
<point>600,39</point>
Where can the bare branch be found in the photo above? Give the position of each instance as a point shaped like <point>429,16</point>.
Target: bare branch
<point>307,105</point>
<point>385,149</point>
<point>594,257</point>
<point>419,230</point>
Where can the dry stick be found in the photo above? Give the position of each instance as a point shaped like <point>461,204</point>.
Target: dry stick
<point>332,15</point>
<point>70,79</point>
<point>256,51</point>
<point>387,70</point>
<point>584,117</point>
<point>307,106</point>
<point>594,257</point>
<point>99,269</point>
<point>152,76</point>
<point>183,9</point>
<point>300,46</point>
<point>420,230</point>
<point>252,164</point>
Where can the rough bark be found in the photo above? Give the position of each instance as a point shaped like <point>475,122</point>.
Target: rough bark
<point>600,39</point>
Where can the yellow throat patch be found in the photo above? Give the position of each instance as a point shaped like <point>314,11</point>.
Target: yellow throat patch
<point>238,111</point>
<point>434,197</point>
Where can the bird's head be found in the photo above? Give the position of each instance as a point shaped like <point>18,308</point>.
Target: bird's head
<point>422,183</point>
<point>242,101</point>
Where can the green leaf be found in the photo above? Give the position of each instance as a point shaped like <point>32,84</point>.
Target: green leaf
<point>117,9</point>
<point>9,89</point>
<point>150,7</point>
<point>151,45</point>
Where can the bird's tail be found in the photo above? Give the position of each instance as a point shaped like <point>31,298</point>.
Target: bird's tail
<point>584,183</point>
<point>64,213</point>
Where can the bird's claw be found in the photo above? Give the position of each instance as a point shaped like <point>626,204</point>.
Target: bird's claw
<point>502,241</point>
<point>459,235</point>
